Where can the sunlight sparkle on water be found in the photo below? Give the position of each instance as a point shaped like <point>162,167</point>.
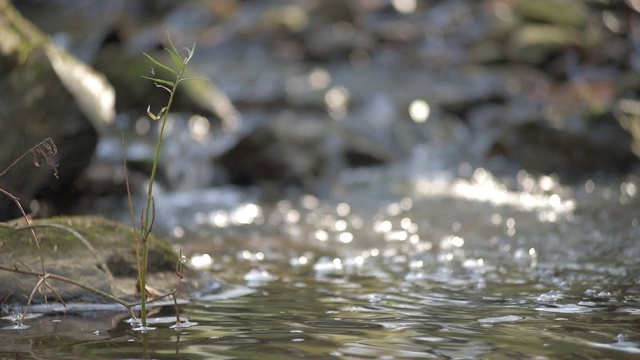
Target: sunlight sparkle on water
<point>628,192</point>
<point>258,277</point>
<point>419,111</point>
<point>16,327</point>
<point>219,218</point>
<point>345,237</point>
<point>337,101</point>
<point>178,231</point>
<point>319,79</point>
<point>321,235</point>
<point>292,216</point>
<point>201,261</point>
<point>383,226</point>
<point>199,127</point>
<point>478,262</point>
<point>396,236</point>
<point>486,188</point>
<point>328,265</point>
<point>394,209</point>
<point>309,202</point>
<point>343,209</point>
<point>246,214</point>
<point>357,222</point>
<point>406,204</point>
<point>404,6</point>
<point>252,256</point>
<point>450,242</point>
<point>415,239</point>
<point>299,261</point>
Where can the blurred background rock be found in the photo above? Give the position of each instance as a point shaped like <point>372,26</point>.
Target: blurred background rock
<point>301,90</point>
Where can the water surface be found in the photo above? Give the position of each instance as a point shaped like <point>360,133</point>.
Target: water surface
<point>396,266</point>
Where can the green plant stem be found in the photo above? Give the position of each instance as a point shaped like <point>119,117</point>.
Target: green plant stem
<point>145,229</point>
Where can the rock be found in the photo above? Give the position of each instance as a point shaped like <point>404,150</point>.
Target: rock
<point>627,112</point>
<point>560,12</point>
<point>541,149</point>
<point>292,18</point>
<point>32,113</point>
<point>107,243</point>
<point>290,150</point>
<point>256,156</point>
<point>45,92</point>
<point>534,43</point>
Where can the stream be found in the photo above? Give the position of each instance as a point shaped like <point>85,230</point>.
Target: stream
<point>402,263</point>
<point>404,144</point>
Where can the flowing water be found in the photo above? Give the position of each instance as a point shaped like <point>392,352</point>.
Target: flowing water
<point>399,265</point>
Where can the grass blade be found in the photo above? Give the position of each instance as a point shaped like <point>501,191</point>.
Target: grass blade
<point>160,81</point>
<point>177,58</point>
<point>173,47</point>
<point>159,63</point>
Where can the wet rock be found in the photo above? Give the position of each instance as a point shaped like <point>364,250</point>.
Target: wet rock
<point>541,149</point>
<point>98,244</point>
<point>256,156</point>
<point>332,42</point>
<point>103,243</point>
<point>299,151</point>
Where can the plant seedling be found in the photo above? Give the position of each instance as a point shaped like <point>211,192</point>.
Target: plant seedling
<point>177,70</point>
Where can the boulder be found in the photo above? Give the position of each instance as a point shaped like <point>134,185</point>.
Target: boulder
<point>45,93</point>
<point>542,149</point>
<point>300,151</point>
<point>90,250</point>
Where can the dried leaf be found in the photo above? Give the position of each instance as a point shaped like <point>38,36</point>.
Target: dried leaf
<point>189,53</point>
<point>151,115</point>
<point>43,154</point>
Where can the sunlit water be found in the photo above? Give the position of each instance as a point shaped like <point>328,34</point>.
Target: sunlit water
<point>397,266</point>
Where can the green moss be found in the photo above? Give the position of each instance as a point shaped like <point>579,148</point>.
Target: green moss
<point>109,239</point>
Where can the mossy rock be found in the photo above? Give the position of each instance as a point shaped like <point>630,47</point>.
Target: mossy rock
<point>572,13</point>
<point>102,243</point>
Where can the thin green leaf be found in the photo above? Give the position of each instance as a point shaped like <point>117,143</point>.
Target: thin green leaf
<point>193,78</point>
<point>189,53</point>
<point>173,47</point>
<point>177,58</point>
<point>161,81</point>
<point>159,63</point>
